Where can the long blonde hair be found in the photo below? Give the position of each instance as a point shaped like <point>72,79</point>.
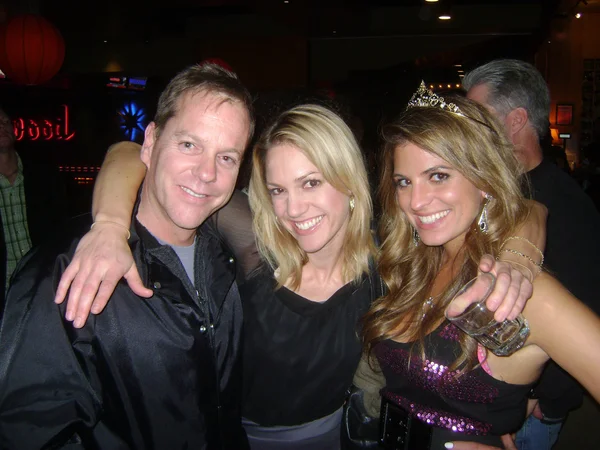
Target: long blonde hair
<point>329,144</point>
<point>475,145</point>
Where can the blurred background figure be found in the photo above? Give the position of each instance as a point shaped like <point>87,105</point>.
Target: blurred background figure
<point>32,203</point>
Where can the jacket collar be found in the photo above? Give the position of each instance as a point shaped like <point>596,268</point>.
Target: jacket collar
<point>214,269</point>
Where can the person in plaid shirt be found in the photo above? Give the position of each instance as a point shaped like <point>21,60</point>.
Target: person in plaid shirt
<point>32,200</point>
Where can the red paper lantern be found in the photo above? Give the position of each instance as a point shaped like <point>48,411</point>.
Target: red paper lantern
<point>32,50</point>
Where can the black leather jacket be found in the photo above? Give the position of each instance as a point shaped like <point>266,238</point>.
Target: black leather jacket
<point>161,373</point>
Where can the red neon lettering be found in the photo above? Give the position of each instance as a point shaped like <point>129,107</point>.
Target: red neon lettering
<point>67,136</point>
<point>49,130</point>
<point>33,130</point>
<point>19,126</point>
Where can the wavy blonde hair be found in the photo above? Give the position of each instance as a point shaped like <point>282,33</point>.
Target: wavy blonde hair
<point>329,144</point>
<point>476,146</point>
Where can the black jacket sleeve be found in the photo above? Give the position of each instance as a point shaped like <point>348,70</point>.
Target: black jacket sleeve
<point>49,395</point>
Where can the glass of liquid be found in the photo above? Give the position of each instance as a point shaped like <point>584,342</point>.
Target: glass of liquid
<point>468,311</point>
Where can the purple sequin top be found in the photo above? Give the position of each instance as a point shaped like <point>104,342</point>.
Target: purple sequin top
<point>474,403</point>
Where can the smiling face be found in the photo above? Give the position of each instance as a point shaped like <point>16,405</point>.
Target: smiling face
<point>437,199</point>
<point>313,211</point>
<point>192,165</point>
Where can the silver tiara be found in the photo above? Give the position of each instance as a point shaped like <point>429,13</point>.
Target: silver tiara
<point>426,98</point>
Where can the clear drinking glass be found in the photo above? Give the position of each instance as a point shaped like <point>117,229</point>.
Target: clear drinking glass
<point>468,312</point>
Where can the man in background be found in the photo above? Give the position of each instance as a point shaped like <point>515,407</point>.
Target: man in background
<point>516,93</point>
<point>32,204</point>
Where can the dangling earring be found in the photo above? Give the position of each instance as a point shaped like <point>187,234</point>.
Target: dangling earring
<point>482,222</point>
<point>352,203</point>
<point>415,237</point>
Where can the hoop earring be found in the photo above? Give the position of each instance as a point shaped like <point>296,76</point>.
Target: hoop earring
<point>352,203</point>
<point>415,237</point>
<point>482,222</point>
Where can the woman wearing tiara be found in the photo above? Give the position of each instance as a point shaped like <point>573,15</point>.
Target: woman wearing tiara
<point>451,192</point>
<point>312,212</point>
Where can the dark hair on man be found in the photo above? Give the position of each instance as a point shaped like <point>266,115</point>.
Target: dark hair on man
<point>207,77</point>
<point>514,84</point>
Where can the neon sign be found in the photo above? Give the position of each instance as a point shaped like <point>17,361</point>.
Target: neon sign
<point>56,129</point>
<point>132,120</point>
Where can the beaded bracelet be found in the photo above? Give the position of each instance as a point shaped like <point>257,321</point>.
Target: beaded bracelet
<point>114,223</point>
<point>520,238</point>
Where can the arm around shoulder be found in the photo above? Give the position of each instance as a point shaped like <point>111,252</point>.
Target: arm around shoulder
<point>103,256</point>
<point>117,184</point>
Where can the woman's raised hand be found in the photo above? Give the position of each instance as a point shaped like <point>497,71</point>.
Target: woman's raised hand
<point>102,258</point>
<point>512,289</point>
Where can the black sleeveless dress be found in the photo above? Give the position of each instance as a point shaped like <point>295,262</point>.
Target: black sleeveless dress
<point>473,407</point>
<point>299,355</point>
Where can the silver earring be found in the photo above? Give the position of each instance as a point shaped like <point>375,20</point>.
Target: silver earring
<point>482,222</point>
<point>352,204</point>
<point>415,237</point>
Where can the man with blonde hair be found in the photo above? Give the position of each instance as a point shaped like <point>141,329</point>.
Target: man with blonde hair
<point>160,373</point>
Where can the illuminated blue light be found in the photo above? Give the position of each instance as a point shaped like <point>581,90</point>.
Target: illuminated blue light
<point>132,118</point>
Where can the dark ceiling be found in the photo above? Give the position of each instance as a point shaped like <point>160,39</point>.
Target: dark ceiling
<point>337,36</point>
<point>310,18</point>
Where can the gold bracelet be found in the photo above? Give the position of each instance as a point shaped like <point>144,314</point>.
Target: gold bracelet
<point>514,263</point>
<point>114,223</point>
<point>520,238</point>
<point>523,255</point>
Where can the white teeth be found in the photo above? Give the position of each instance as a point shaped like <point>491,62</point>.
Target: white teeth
<point>309,223</point>
<point>432,218</point>
<point>192,193</point>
